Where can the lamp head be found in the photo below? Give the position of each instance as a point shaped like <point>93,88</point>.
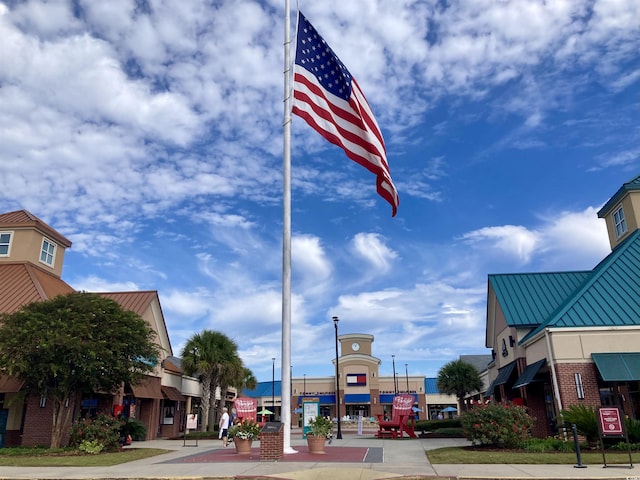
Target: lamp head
<point>335,320</point>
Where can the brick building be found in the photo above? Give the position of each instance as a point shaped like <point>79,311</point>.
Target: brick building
<point>568,338</point>
<point>31,262</point>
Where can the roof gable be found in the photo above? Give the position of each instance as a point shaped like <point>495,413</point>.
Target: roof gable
<point>633,184</point>
<point>23,283</point>
<point>611,295</point>
<point>23,218</point>
<point>527,299</point>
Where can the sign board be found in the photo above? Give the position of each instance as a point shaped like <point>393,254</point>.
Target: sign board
<point>610,422</point>
<point>272,427</point>
<point>192,421</point>
<point>310,410</point>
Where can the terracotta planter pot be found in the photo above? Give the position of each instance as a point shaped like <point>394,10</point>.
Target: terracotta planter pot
<point>243,447</point>
<point>316,443</point>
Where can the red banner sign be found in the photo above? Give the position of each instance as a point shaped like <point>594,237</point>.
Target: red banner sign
<point>610,422</point>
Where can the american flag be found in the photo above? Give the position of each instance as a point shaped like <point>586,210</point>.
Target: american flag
<point>329,99</point>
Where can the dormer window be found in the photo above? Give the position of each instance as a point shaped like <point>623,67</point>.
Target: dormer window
<point>5,243</point>
<point>619,222</point>
<point>47,254</point>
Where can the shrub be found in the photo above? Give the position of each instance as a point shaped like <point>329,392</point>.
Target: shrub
<point>633,430</point>
<point>504,426</point>
<point>135,428</point>
<point>91,446</point>
<point>103,429</point>
<point>549,444</point>
<point>585,420</point>
<point>432,425</point>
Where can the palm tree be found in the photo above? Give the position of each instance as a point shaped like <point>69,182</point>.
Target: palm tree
<point>459,378</point>
<point>212,356</point>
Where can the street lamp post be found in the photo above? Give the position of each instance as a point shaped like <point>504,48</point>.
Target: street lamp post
<point>339,433</point>
<point>395,383</point>
<point>273,388</point>
<point>406,373</point>
<point>304,385</point>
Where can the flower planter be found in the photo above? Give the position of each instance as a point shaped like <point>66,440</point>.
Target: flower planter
<point>316,443</point>
<point>243,447</point>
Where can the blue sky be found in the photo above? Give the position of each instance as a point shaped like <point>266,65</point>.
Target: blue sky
<point>149,133</point>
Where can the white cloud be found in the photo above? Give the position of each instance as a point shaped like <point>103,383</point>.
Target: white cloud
<point>514,240</point>
<point>371,247</point>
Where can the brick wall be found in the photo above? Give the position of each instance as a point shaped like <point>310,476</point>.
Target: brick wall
<point>38,422</point>
<point>567,384</point>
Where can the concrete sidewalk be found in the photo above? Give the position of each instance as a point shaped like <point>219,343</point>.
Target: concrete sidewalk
<point>401,458</point>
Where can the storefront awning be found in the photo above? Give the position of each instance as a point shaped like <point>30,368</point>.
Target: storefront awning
<point>503,374</point>
<point>10,384</point>
<point>529,373</point>
<point>148,388</point>
<point>489,391</point>
<point>618,367</point>
<point>172,393</point>
<point>357,398</point>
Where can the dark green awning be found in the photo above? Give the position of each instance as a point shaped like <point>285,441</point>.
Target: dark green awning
<point>618,367</point>
<point>529,373</point>
<point>504,373</point>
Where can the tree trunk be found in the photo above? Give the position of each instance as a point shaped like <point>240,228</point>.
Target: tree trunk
<point>61,420</point>
<point>206,402</point>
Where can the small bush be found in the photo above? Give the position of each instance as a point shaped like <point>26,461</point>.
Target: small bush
<point>91,446</point>
<point>633,430</point>
<point>103,429</point>
<point>432,425</point>
<point>135,428</point>
<point>624,446</point>
<point>542,445</point>
<point>585,421</point>
<point>504,426</point>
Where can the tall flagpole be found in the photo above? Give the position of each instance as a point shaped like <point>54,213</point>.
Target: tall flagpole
<point>285,376</point>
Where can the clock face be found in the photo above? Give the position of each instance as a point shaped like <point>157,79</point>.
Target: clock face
<point>355,346</point>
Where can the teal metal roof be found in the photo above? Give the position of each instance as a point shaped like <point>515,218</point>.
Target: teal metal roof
<point>633,184</point>
<point>527,299</point>
<point>609,297</point>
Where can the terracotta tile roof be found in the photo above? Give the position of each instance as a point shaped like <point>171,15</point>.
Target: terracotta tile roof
<point>23,283</point>
<point>23,218</point>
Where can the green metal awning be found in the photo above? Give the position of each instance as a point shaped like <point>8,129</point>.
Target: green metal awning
<point>618,367</point>
<point>489,391</point>
<point>504,373</point>
<point>529,373</point>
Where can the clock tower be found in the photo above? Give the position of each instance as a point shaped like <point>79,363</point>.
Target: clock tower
<point>359,383</point>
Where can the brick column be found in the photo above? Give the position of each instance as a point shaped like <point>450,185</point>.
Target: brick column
<point>272,442</point>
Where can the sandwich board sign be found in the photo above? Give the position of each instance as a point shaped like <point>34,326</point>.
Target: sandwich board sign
<point>611,425</point>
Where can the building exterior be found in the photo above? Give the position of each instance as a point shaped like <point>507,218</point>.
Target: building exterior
<point>571,338</point>
<point>31,262</point>
<point>361,389</point>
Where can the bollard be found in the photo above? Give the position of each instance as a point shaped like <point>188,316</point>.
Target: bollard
<point>577,444</point>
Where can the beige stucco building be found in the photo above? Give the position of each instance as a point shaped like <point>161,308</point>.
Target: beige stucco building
<point>567,338</point>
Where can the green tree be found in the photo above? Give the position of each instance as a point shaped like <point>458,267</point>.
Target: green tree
<point>74,344</point>
<point>213,357</point>
<point>459,378</point>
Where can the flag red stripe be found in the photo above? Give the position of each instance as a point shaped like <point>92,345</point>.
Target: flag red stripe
<point>330,100</point>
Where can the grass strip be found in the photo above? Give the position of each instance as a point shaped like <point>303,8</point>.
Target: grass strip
<point>457,455</point>
<point>82,460</point>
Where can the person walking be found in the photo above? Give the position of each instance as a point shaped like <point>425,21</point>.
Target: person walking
<point>224,426</point>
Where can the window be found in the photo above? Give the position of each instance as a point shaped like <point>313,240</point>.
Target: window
<point>5,243</point>
<point>48,252</point>
<point>619,222</point>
